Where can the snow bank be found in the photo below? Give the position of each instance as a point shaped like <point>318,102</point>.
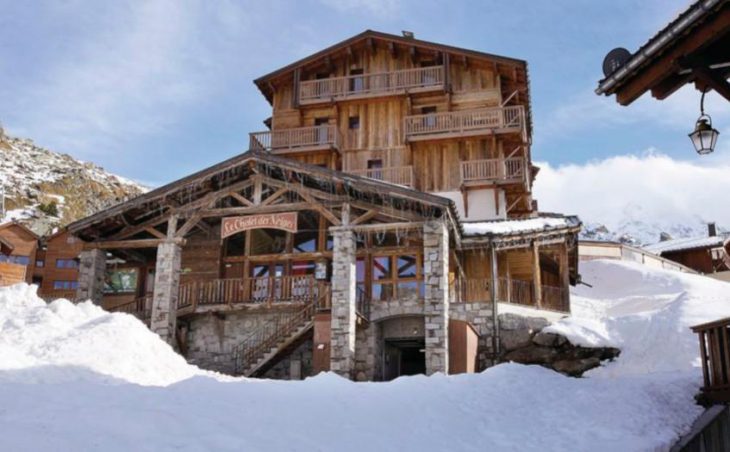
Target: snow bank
<point>645,312</point>
<point>60,341</point>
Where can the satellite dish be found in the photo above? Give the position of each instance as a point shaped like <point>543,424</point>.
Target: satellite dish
<point>614,60</point>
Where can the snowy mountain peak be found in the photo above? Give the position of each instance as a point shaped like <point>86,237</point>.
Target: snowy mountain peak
<point>45,189</point>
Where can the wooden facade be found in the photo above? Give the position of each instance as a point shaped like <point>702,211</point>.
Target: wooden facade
<point>379,137</point>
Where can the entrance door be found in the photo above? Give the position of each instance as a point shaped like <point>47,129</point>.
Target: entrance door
<point>403,357</point>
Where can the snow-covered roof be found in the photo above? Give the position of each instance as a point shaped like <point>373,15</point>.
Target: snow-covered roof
<point>527,225</point>
<point>685,244</point>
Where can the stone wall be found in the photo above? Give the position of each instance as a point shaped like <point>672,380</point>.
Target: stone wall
<point>342,349</point>
<point>92,267</point>
<point>167,285</point>
<point>436,298</point>
<point>295,366</point>
<point>367,350</point>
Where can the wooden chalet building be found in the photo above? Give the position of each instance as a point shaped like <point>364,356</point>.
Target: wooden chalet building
<point>366,232</point>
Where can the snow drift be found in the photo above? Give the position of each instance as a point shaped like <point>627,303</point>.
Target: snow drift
<point>73,379</point>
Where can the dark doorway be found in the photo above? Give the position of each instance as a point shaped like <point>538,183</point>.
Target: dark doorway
<point>403,357</point>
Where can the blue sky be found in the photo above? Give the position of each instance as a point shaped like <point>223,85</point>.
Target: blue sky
<point>154,90</point>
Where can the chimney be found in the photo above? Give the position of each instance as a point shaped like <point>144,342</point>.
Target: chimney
<point>711,229</point>
<point>408,34</point>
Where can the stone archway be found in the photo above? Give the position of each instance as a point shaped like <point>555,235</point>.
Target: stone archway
<point>401,344</point>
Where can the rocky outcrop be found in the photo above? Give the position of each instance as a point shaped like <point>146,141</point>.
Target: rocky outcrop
<point>523,341</point>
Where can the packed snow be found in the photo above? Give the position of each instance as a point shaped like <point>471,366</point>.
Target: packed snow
<point>518,226</point>
<point>77,378</point>
<point>687,244</point>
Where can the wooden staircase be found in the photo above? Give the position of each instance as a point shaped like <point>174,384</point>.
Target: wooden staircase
<point>271,339</point>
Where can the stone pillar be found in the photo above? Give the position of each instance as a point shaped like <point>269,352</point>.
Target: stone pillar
<point>92,266</point>
<point>167,286</point>
<point>436,300</point>
<point>342,349</point>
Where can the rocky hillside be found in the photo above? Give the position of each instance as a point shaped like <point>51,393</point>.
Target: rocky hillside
<point>45,189</point>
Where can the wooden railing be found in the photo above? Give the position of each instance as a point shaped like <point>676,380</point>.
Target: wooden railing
<point>324,136</point>
<point>555,299</point>
<point>269,336</point>
<point>400,175</point>
<point>139,307</point>
<point>269,290</point>
<point>370,85</point>
<point>464,122</point>
<point>715,357</point>
<point>512,168</point>
<point>474,290</point>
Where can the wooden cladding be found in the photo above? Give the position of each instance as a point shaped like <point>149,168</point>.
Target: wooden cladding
<point>297,139</point>
<point>472,290</point>
<point>493,170</point>
<point>715,356</point>
<point>401,175</point>
<point>262,290</point>
<point>11,273</point>
<point>372,85</point>
<point>481,121</point>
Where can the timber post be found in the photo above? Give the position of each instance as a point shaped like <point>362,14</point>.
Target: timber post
<point>92,266</point>
<point>436,301</point>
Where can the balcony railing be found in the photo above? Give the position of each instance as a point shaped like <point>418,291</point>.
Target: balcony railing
<point>465,123</point>
<point>139,307</point>
<point>297,139</point>
<point>715,357</point>
<point>371,85</point>
<point>493,170</point>
<point>261,290</point>
<point>399,175</point>
<point>475,290</point>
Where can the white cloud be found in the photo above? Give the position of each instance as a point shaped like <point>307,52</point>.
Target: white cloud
<point>381,8</point>
<point>652,188</point>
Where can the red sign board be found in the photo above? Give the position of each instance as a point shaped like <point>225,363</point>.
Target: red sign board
<point>284,221</point>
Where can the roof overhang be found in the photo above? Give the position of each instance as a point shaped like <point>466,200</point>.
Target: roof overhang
<point>691,49</point>
<point>5,247</point>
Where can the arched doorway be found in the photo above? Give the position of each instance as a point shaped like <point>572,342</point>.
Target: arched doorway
<point>403,346</point>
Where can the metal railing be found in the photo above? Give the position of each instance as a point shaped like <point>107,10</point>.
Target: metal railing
<point>512,168</point>
<point>483,119</point>
<point>324,136</point>
<point>400,175</point>
<point>370,85</point>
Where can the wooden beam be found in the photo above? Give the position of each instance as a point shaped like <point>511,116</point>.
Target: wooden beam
<point>392,49</point>
<point>155,232</point>
<point>370,214</point>
<point>192,221</point>
<point>130,244</point>
<point>721,86</point>
<point>276,195</point>
<point>171,226</point>
<point>207,213</point>
<point>240,198</point>
<point>536,277</point>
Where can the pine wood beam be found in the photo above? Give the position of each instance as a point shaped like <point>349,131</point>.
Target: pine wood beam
<point>277,208</point>
<point>192,221</point>
<point>721,86</point>
<point>155,232</point>
<point>240,198</point>
<point>276,195</point>
<point>370,214</point>
<point>130,244</point>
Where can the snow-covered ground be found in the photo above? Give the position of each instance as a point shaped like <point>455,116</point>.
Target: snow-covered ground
<point>77,378</point>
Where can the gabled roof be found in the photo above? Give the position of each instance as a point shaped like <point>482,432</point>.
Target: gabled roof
<point>262,82</point>
<point>5,246</point>
<point>21,226</point>
<point>685,244</point>
<point>240,167</point>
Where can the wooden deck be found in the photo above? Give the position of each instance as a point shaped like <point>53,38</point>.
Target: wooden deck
<point>299,139</point>
<point>715,356</point>
<point>477,290</point>
<point>489,171</point>
<point>465,123</point>
<point>363,86</point>
<point>399,175</point>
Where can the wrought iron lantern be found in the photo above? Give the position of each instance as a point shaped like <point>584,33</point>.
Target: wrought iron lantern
<point>704,136</point>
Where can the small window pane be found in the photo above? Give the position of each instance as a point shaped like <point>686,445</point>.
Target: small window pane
<point>407,266</point>
<point>382,292</point>
<point>360,269</point>
<point>381,268</point>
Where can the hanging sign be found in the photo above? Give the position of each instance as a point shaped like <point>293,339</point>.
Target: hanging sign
<point>284,221</point>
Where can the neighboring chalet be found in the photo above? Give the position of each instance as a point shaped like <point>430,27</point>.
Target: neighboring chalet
<point>366,232</point>
<point>49,262</point>
<point>709,255</point>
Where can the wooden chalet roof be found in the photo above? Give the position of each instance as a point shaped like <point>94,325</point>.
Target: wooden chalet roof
<point>519,232</point>
<point>263,82</point>
<point>692,48</point>
<point>23,227</point>
<point>5,246</point>
<point>163,200</point>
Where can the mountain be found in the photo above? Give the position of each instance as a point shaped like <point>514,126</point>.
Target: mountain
<point>45,189</point>
<point>634,226</point>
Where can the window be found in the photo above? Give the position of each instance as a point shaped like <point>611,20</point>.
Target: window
<point>40,263</point>
<point>120,281</point>
<point>305,242</point>
<point>398,276</point>
<point>353,123</point>
<point>21,260</point>
<point>67,263</point>
<point>236,244</point>
<point>267,241</point>
<point>65,285</point>
<point>357,81</point>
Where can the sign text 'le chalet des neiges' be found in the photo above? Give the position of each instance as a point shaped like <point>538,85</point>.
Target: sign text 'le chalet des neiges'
<point>284,221</point>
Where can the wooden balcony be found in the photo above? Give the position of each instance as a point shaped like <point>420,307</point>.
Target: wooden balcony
<point>265,291</point>
<point>715,356</point>
<point>465,123</point>
<point>477,290</point>
<point>139,307</point>
<point>300,139</point>
<point>488,171</point>
<point>372,85</point>
<point>399,175</point>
